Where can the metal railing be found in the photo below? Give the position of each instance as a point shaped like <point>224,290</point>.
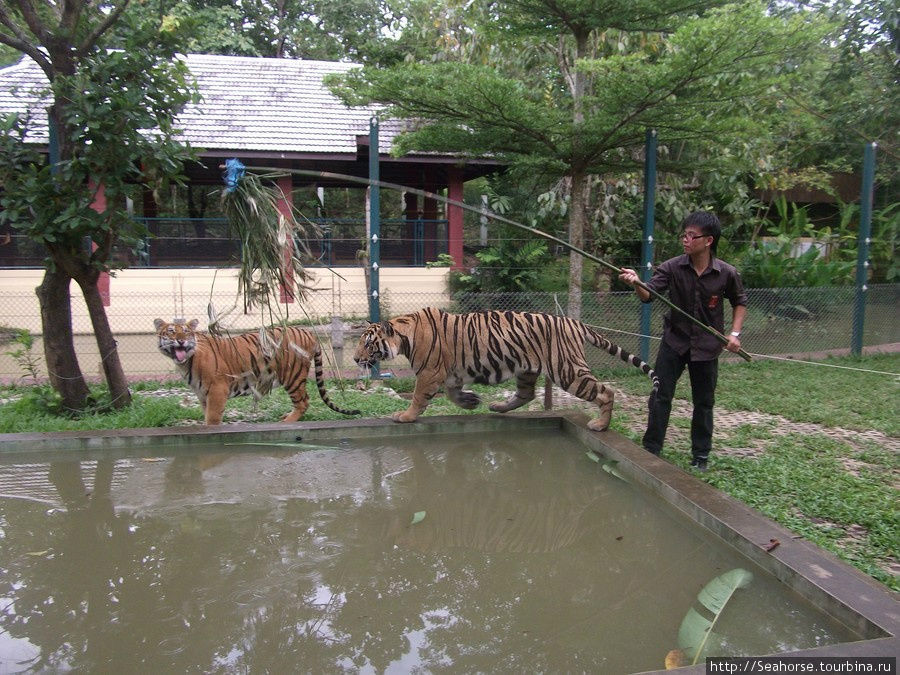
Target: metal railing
<point>210,242</point>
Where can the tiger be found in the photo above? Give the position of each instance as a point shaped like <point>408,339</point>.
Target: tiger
<point>489,347</point>
<point>219,368</point>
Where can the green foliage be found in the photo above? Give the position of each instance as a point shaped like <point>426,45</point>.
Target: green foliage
<point>8,55</point>
<point>116,112</point>
<point>477,109</point>
<point>778,262</point>
<point>774,264</point>
<point>443,260</point>
<point>511,265</point>
<point>308,29</point>
<point>23,355</point>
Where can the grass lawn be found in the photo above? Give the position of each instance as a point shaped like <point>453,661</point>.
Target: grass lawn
<point>814,447</point>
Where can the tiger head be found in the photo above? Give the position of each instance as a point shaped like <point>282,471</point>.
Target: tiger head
<point>178,339</point>
<point>378,342</point>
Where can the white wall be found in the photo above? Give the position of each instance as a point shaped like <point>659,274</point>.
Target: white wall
<point>139,295</point>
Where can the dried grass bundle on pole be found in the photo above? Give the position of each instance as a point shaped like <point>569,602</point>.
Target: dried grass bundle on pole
<point>273,246</point>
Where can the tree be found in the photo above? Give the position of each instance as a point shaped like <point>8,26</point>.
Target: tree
<point>310,29</point>
<point>579,108</point>
<point>850,93</point>
<point>112,114</point>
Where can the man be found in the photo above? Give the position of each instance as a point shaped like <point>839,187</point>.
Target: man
<point>697,282</point>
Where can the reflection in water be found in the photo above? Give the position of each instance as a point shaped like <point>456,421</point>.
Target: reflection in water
<point>529,558</point>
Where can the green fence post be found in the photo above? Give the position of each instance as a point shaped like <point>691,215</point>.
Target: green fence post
<point>647,236</point>
<point>863,240</point>
<point>374,229</point>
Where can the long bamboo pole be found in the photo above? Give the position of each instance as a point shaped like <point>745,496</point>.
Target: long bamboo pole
<point>540,233</point>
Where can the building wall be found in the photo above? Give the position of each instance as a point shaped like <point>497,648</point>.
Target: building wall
<point>139,295</point>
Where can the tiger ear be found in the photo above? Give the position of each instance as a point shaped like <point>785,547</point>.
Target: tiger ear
<point>193,323</point>
<point>158,323</point>
<point>387,328</point>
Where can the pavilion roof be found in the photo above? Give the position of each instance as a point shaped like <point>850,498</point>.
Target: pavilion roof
<point>260,105</point>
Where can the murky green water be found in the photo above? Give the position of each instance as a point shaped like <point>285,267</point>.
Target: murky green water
<point>529,558</point>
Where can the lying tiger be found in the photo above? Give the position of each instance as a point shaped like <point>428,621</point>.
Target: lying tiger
<point>489,347</point>
<point>219,368</point>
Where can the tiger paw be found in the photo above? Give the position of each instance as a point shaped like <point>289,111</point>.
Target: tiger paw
<point>468,400</point>
<point>404,416</point>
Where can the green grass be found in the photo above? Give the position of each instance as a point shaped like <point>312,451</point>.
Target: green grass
<point>839,490</point>
<point>821,394</point>
<point>801,481</point>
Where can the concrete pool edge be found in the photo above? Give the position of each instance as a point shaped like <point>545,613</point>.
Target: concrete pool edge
<point>836,588</point>
<point>833,586</point>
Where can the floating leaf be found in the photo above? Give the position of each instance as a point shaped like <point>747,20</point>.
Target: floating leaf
<point>592,456</point>
<point>610,468</point>
<point>38,554</point>
<point>418,517</point>
<point>696,629</point>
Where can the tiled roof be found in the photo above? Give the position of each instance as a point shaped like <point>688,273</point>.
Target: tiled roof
<point>249,104</point>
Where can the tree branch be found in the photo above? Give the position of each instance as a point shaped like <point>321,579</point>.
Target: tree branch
<point>88,43</point>
<point>33,21</point>
<point>19,40</point>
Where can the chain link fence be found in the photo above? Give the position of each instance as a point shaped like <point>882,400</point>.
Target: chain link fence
<point>779,321</point>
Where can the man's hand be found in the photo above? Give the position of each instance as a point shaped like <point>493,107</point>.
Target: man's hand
<point>629,276</point>
<point>734,344</point>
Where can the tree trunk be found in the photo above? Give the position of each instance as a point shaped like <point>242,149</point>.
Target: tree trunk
<point>106,344</point>
<point>578,195</point>
<point>59,347</point>
<point>577,218</point>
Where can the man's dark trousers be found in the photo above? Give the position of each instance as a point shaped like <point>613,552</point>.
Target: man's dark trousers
<point>704,374</point>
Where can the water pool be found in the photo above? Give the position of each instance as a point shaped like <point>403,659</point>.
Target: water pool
<point>503,549</point>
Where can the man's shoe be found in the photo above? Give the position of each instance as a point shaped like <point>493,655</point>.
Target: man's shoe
<point>699,465</point>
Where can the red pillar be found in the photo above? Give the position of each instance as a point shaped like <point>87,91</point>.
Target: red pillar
<point>455,218</point>
<point>285,184</point>
<point>99,205</point>
<point>429,215</point>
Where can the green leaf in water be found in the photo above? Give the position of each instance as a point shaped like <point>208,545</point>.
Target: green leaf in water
<point>592,456</point>
<point>418,517</point>
<point>696,629</point>
<point>610,468</point>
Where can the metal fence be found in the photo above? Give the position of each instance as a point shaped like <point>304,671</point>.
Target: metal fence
<point>779,321</point>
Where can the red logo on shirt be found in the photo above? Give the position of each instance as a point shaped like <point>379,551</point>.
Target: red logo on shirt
<point>713,301</point>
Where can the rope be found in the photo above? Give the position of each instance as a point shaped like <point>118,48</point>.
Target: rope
<point>761,356</point>
<point>825,365</point>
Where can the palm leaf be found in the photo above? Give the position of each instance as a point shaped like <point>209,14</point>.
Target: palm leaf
<point>696,629</point>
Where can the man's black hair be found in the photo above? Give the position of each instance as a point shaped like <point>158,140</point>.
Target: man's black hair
<point>709,226</point>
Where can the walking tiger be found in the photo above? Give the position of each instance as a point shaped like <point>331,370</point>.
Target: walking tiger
<point>488,347</point>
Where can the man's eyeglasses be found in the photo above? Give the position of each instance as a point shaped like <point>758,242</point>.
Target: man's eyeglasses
<point>690,236</point>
